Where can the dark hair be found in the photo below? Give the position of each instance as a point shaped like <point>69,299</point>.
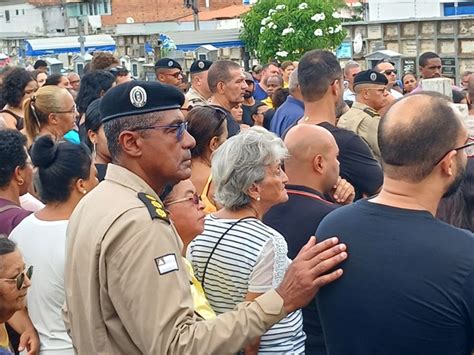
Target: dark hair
<point>103,60</point>
<point>53,79</point>
<point>204,123</point>
<point>317,70</point>
<point>59,166</point>
<point>458,96</point>
<point>254,108</point>
<point>220,72</point>
<point>411,147</point>
<point>286,64</point>
<point>268,65</point>
<point>12,154</point>
<point>13,86</point>
<point>408,73</point>
<point>6,246</point>
<point>40,63</point>
<point>458,209</point>
<point>93,121</point>
<point>35,73</point>
<point>93,84</point>
<point>113,128</point>
<point>279,97</point>
<point>425,57</point>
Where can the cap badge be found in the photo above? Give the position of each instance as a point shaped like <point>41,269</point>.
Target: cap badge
<point>201,65</point>
<point>170,63</point>
<point>138,96</point>
<point>373,76</point>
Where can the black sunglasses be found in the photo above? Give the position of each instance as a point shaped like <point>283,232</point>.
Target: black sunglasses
<point>390,71</point>
<point>20,279</point>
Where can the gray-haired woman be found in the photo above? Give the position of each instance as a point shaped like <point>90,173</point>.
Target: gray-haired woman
<point>237,257</point>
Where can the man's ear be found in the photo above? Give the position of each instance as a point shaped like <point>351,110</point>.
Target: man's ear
<point>221,87</point>
<point>447,163</point>
<point>131,143</point>
<point>318,164</point>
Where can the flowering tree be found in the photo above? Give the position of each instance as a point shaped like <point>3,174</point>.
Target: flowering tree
<point>285,29</point>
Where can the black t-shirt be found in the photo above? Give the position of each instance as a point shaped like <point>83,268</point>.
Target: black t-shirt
<point>233,127</point>
<point>357,164</point>
<point>296,220</point>
<point>407,287</point>
<point>246,116</point>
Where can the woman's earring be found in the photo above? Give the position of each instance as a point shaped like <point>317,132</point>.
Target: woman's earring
<point>94,151</point>
<point>258,198</point>
<point>21,182</point>
<point>84,192</point>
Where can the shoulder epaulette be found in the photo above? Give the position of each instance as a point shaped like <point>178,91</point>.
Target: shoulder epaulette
<point>155,207</point>
<point>371,112</point>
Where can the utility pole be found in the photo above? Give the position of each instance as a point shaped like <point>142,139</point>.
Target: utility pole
<point>193,4</point>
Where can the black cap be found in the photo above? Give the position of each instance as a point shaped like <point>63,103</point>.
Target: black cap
<point>199,66</point>
<point>370,77</point>
<point>167,63</point>
<point>139,97</point>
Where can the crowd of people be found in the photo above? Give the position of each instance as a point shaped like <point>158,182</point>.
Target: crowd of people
<point>179,217</point>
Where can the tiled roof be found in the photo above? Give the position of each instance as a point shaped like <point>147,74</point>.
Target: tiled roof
<point>229,12</point>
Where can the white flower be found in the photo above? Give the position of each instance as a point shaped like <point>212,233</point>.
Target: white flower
<point>265,21</point>
<point>282,54</point>
<point>322,16</point>
<point>270,24</point>
<point>287,31</point>
<point>331,30</point>
<point>318,32</point>
<point>262,29</point>
<point>280,7</point>
<point>336,14</point>
<point>316,17</point>
<point>303,6</point>
<point>274,26</point>
<point>271,12</point>
<point>338,29</point>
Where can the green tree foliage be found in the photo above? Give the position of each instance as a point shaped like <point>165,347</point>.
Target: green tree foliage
<point>285,29</point>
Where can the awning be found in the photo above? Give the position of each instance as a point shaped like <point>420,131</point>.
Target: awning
<point>191,40</point>
<point>58,45</point>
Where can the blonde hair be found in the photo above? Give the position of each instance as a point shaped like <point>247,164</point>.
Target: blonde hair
<point>46,100</point>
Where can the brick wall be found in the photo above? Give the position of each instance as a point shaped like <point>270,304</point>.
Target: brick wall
<point>155,10</point>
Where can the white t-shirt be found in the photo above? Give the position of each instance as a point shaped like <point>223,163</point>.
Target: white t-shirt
<point>43,245</point>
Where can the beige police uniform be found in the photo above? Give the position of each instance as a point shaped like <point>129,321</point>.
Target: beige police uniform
<point>128,291</point>
<point>364,121</point>
<point>193,98</point>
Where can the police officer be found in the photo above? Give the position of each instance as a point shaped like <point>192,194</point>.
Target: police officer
<point>199,92</point>
<point>169,71</point>
<point>128,291</point>
<point>363,117</point>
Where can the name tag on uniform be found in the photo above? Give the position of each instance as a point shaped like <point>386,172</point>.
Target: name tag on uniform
<point>167,263</point>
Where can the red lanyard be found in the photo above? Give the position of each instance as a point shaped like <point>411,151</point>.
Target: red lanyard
<point>308,194</point>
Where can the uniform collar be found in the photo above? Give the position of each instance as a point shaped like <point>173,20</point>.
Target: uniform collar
<point>122,176</point>
<point>193,91</point>
<point>360,105</point>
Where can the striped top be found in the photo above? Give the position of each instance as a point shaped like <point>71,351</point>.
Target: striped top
<point>252,257</point>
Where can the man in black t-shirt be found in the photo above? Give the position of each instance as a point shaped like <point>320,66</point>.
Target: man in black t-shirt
<point>408,286</point>
<point>322,87</point>
<point>313,172</point>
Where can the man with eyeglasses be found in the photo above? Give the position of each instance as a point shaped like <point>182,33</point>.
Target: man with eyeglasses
<point>388,69</point>
<point>14,282</point>
<point>169,71</point>
<point>363,117</point>
<point>409,283</point>
<point>128,290</point>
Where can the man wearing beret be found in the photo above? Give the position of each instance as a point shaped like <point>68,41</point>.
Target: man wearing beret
<point>199,92</point>
<point>127,288</point>
<point>169,71</point>
<point>363,117</point>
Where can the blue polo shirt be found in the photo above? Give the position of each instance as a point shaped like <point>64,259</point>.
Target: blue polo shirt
<point>259,94</point>
<point>286,115</point>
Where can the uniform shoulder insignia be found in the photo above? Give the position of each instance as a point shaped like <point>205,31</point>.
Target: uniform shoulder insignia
<point>155,207</point>
<point>371,112</point>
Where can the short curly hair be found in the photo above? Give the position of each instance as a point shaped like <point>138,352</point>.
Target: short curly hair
<point>103,60</point>
<point>12,154</point>
<point>13,86</point>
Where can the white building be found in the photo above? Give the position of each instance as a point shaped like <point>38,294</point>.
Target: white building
<point>383,10</point>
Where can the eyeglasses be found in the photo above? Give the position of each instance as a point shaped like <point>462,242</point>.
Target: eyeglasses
<point>179,127</point>
<point>20,279</point>
<point>390,71</point>
<point>469,147</point>
<point>176,75</point>
<point>195,198</point>
<point>73,110</point>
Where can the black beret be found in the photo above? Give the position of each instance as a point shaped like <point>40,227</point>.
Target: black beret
<point>370,77</point>
<point>200,66</point>
<point>167,63</point>
<point>139,97</point>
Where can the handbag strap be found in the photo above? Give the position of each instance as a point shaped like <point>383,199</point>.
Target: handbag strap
<point>215,247</point>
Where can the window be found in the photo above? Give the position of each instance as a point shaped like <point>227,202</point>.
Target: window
<point>17,12</point>
<point>202,56</point>
<point>7,15</point>
<point>135,70</point>
<point>23,11</point>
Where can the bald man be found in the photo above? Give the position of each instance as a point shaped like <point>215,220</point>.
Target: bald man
<point>313,174</point>
<point>408,286</point>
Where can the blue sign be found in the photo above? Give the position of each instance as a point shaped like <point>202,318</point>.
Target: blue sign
<point>344,51</point>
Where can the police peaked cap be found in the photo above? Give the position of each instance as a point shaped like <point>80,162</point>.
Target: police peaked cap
<point>167,63</point>
<point>139,97</point>
<point>370,77</point>
<point>199,66</point>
